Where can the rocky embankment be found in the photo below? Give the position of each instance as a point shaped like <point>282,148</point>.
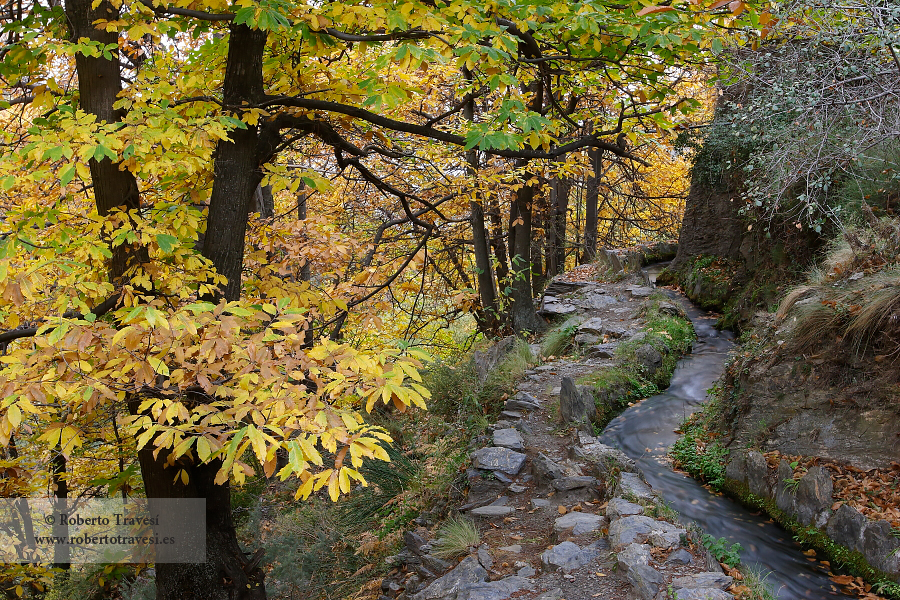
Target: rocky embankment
<point>560,514</point>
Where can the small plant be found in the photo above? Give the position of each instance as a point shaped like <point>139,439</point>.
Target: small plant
<point>791,484</point>
<point>719,548</point>
<point>757,582</point>
<point>455,538</point>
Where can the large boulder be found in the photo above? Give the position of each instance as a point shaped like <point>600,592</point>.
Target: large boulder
<point>488,360</point>
<point>814,497</point>
<point>499,459</point>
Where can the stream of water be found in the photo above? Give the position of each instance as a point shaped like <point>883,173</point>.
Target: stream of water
<point>646,431</point>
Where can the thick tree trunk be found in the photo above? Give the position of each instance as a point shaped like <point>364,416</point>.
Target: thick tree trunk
<point>591,196</point>
<point>556,238</point>
<point>224,575</point>
<point>498,246</point>
<point>236,167</point>
<point>524,316</point>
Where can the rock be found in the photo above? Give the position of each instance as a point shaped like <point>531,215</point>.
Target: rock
<point>702,594</point>
<point>567,556</point>
<point>514,549</point>
<point>602,351</point>
<point>564,484</point>
<point>597,301</point>
<point>606,459</point>
<point>512,414</point>
<point>467,573</point>
<point>487,360</point>
<point>846,527</point>
<point>540,503</point>
<point>614,330</point>
<point>499,459</point>
<point>758,475</point>
<point>814,497</point>
<point>527,571</point>
<point>484,557</point>
<point>631,484</point>
<point>667,537</point>
<point>703,580</point>
<point>578,522</point>
<point>414,542</point>
<point>509,438</point>
<point>736,469</point>
<point>593,326</point>
<point>522,401</point>
<point>503,477</point>
<point>784,493</point>
<point>517,489</point>
<point>647,581</point>
<point>493,590</point>
<point>640,292</point>
<point>554,594</point>
<point>546,470</point>
<point>880,547</point>
<point>632,556</point>
<point>648,358</point>
<point>576,404</point>
<point>627,530</point>
<point>587,339</point>
<point>673,310</point>
<point>680,557</point>
<point>492,511</point>
<point>619,507</point>
<point>435,564</point>
<point>555,308</point>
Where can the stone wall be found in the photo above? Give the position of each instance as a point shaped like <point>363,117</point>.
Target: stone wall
<point>809,502</point>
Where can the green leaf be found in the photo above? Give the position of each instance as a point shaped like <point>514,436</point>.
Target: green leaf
<point>166,242</point>
<point>67,174</point>
<point>9,182</point>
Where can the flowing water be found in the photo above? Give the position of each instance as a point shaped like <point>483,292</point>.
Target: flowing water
<point>646,431</point>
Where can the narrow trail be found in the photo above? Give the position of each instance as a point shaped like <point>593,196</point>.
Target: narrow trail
<point>559,521</point>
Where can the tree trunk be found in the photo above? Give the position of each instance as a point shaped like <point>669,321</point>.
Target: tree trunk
<point>524,317</point>
<point>559,210</point>
<point>226,574</point>
<point>591,196</point>
<point>236,167</point>
<point>499,247</point>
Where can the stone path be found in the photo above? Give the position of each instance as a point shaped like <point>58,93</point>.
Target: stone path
<point>562,516</point>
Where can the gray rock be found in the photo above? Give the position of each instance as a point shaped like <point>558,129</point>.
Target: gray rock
<point>435,564</point>
<point>578,522</point>
<point>814,497</point>
<point>522,401</point>
<point>526,571</point>
<point>667,537</point>
<point>509,438</point>
<point>546,470</point>
<point>414,542</point>
<point>631,484</point>
<point>467,573</point>
<point>648,358</point>
<point>606,459</point>
<point>784,494</point>
<point>614,330</point>
<point>587,339</point>
<point>703,580</point>
<point>680,557</point>
<point>758,475</point>
<point>564,484</point>
<point>552,309</point>
<point>846,527</point>
<point>576,404</point>
<point>517,489</point>
<point>540,502</point>
<point>492,511</point>
<point>619,507</point>
<point>632,556</point>
<point>647,581</point>
<point>593,326</point>
<point>673,310</point>
<point>554,594</point>
<point>512,414</point>
<point>487,360</point>
<point>880,547</point>
<point>597,301</point>
<point>640,292</point>
<point>702,594</point>
<point>567,556</point>
<point>484,557</point>
<point>736,469</point>
<point>627,530</point>
<point>514,549</point>
<point>602,351</point>
<point>545,368</point>
<point>499,459</point>
<point>493,590</point>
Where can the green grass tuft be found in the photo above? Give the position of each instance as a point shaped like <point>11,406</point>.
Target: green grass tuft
<point>456,537</point>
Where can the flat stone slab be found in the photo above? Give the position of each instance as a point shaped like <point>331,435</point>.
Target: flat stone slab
<point>703,580</point>
<point>579,523</point>
<point>640,292</point>
<point>630,484</point>
<point>512,414</point>
<point>509,438</point>
<point>633,555</point>
<point>494,590</point>
<point>602,351</point>
<point>568,556</point>
<point>522,401</point>
<point>593,326</point>
<point>500,459</point>
<point>466,573</point>
<point>703,594</point>
<point>564,484</point>
<point>619,507</point>
<point>491,511</point>
<point>627,530</point>
<point>515,548</point>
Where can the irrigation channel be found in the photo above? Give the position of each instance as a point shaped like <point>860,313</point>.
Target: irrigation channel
<point>646,431</point>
